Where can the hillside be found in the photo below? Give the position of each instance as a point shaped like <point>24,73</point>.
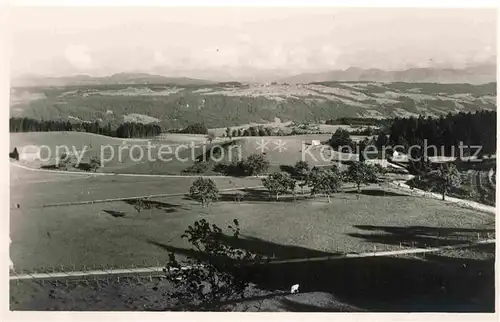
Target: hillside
<point>226,104</point>
<point>120,78</point>
<point>474,75</point>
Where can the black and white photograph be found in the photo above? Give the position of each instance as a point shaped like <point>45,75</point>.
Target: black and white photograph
<point>251,159</point>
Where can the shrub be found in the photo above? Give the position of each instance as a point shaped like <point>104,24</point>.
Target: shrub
<point>301,168</point>
<point>256,164</point>
<point>196,128</point>
<point>214,275</point>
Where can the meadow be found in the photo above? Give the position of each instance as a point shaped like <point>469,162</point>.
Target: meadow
<point>451,281</point>
<point>114,234</point>
<point>179,151</point>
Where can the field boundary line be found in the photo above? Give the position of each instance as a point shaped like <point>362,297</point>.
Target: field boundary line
<point>158,269</point>
<point>96,174</point>
<point>72,203</point>
<point>461,202</point>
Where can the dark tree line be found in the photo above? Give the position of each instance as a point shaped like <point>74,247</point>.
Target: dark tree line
<point>133,130</point>
<point>360,121</point>
<point>124,130</point>
<point>447,132</point>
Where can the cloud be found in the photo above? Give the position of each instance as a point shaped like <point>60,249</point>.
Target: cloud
<point>78,56</point>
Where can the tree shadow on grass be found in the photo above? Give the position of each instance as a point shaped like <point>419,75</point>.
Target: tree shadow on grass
<point>84,166</point>
<point>165,206</point>
<point>254,245</point>
<point>377,193</point>
<point>386,284</point>
<point>49,167</point>
<point>116,214</point>
<point>256,195</point>
<point>420,236</point>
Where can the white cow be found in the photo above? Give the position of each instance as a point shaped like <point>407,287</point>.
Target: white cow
<point>294,289</point>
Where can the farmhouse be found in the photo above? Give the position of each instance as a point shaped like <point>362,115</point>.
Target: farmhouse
<point>28,154</point>
<point>314,142</point>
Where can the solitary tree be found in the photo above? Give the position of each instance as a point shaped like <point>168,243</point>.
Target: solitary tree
<point>256,164</point>
<point>448,177</point>
<point>279,183</point>
<point>95,163</point>
<point>326,182</point>
<point>141,204</point>
<point>361,174</point>
<point>204,190</point>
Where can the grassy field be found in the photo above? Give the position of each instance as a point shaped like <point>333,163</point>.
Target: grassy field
<point>113,234</point>
<point>131,156</point>
<point>447,281</point>
<point>34,189</point>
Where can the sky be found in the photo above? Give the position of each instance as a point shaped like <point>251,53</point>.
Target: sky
<point>244,43</point>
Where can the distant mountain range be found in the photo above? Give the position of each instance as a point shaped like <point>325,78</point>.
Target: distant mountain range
<point>481,74</point>
<point>120,78</point>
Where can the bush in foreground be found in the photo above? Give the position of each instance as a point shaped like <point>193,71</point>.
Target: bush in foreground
<point>211,277</point>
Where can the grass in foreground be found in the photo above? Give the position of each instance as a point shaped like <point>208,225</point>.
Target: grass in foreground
<point>115,235</point>
<point>461,281</point>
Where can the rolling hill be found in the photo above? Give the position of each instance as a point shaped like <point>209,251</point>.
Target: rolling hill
<point>480,74</point>
<point>120,78</point>
<point>230,104</point>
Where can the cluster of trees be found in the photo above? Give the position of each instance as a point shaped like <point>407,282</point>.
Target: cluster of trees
<point>195,128</point>
<point>251,131</point>
<point>138,130</point>
<point>64,161</point>
<point>359,121</point>
<point>369,131</point>
<point>341,138</point>
<point>124,130</point>
<point>321,181</point>
<point>221,266</point>
<point>254,164</point>
<point>447,132</point>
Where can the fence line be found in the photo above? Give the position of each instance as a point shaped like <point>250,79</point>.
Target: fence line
<point>72,203</point>
<point>96,174</point>
<point>159,269</point>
